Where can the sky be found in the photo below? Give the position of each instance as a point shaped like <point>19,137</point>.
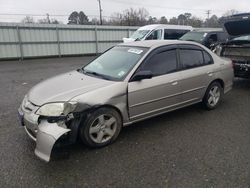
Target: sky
<point>60,9</point>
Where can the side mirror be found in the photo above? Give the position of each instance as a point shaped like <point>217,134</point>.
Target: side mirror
<point>142,75</point>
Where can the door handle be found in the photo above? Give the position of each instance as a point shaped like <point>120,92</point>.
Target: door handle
<point>174,82</point>
<point>210,74</point>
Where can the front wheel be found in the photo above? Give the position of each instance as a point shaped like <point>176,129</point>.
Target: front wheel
<point>101,127</point>
<point>213,96</point>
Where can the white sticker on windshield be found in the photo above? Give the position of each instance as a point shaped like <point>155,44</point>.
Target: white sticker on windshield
<point>121,73</point>
<point>135,51</point>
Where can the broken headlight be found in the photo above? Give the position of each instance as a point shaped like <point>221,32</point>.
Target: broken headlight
<point>56,109</point>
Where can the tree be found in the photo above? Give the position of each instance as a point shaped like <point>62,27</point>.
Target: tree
<point>48,21</point>
<point>95,21</point>
<point>130,17</point>
<point>28,19</point>
<point>173,21</point>
<point>188,15</point>
<point>83,19</point>
<point>54,21</point>
<point>195,22</point>
<point>213,21</point>
<point>230,12</point>
<point>163,20</point>
<point>152,20</point>
<point>182,19</point>
<point>78,18</point>
<point>73,18</point>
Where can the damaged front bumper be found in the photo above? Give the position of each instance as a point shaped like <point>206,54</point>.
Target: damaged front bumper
<point>44,133</point>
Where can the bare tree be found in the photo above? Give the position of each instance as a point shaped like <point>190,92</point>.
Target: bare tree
<point>195,22</point>
<point>130,17</point>
<point>50,21</point>
<point>231,12</point>
<point>28,19</point>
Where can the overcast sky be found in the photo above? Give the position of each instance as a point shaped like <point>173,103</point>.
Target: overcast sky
<point>157,8</point>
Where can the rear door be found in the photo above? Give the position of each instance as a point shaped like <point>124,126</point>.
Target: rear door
<point>160,93</point>
<point>196,74</point>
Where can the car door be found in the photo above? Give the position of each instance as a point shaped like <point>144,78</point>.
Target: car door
<point>160,93</point>
<point>196,74</point>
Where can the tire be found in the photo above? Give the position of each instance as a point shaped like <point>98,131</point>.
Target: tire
<point>213,96</point>
<point>101,127</point>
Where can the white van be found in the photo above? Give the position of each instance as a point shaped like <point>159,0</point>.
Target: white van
<point>159,32</point>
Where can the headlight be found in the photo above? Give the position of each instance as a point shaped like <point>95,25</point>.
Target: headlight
<point>56,109</point>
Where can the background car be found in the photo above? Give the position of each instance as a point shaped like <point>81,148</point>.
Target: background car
<point>128,83</point>
<point>238,48</point>
<point>158,32</point>
<point>206,37</point>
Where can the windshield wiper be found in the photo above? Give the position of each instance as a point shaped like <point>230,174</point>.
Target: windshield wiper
<point>95,74</point>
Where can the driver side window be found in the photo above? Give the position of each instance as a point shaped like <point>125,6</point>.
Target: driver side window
<point>155,35</point>
<point>161,63</point>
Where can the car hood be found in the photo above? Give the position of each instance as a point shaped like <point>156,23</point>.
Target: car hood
<point>237,25</point>
<point>65,87</point>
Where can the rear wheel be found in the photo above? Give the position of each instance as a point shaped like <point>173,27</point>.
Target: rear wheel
<point>213,96</point>
<point>101,127</point>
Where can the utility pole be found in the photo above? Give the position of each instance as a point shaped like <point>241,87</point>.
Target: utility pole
<point>100,9</point>
<point>208,12</point>
<point>48,19</point>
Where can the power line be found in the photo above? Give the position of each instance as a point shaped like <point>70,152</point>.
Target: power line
<point>50,15</point>
<point>159,6</point>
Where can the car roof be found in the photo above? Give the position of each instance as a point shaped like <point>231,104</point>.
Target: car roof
<point>165,26</point>
<point>157,43</point>
<point>208,30</point>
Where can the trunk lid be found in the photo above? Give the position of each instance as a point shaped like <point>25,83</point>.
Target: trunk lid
<point>237,25</point>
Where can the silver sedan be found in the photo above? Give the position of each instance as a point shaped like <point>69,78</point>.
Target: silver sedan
<point>128,83</point>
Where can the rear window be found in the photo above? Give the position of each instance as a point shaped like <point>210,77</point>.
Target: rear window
<point>191,58</point>
<point>194,36</point>
<point>174,33</point>
<point>207,58</point>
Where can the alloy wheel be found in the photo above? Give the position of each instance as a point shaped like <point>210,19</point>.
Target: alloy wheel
<point>214,96</point>
<point>103,128</point>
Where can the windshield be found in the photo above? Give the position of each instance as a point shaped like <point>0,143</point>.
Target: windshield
<point>244,38</point>
<point>139,34</point>
<point>116,63</point>
<point>194,36</point>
